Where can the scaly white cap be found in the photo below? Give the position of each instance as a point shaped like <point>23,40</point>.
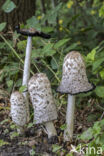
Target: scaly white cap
<point>41,97</point>
<point>74,78</point>
<point>18,108</point>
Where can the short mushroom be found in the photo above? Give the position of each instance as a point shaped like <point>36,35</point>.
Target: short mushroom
<point>18,110</point>
<point>74,81</point>
<point>43,102</point>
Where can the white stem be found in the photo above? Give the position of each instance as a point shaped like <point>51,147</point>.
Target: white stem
<point>26,73</point>
<point>25,94</point>
<point>68,133</point>
<point>51,131</point>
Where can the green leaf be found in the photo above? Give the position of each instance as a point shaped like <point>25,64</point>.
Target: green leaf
<point>2,26</point>
<point>8,6</point>
<point>101,11</point>
<point>99,91</point>
<point>96,129</point>
<point>22,88</point>
<point>63,127</point>
<point>87,135</point>
<point>12,126</point>
<point>60,43</point>
<point>48,51</point>
<point>97,63</point>
<point>71,47</point>
<point>4,121</point>
<point>31,124</point>
<point>37,53</point>
<point>102,139</point>
<point>102,123</point>
<point>47,47</point>
<point>34,23</point>
<point>54,64</point>
<point>10,83</point>
<point>22,45</point>
<point>19,82</point>
<point>14,134</point>
<point>102,74</point>
<point>47,29</point>
<point>91,55</point>
<point>56,148</point>
<point>2,142</point>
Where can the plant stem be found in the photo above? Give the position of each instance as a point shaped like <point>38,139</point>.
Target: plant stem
<point>68,133</point>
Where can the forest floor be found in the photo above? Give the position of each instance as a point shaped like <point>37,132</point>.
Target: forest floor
<point>35,141</point>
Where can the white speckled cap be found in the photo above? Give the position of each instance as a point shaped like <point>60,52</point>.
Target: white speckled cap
<point>18,108</point>
<point>74,78</point>
<point>41,97</point>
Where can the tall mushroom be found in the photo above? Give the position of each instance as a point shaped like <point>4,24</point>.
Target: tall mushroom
<point>43,102</point>
<point>26,74</point>
<point>18,110</point>
<point>74,81</point>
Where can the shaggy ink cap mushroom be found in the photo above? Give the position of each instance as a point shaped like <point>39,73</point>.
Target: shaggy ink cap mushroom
<point>41,96</point>
<point>31,32</point>
<point>18,109</point>
<point>74,81</point>
<point>74,78</point>
<point>26,73</point>
<point>43,103</point>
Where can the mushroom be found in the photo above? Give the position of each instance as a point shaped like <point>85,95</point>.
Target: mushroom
<point>43,102</point>
<point>74,81</point>
<point>18,110</point>
<point>26,74</point>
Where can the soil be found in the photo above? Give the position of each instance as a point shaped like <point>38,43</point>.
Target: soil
<point>35,141</point>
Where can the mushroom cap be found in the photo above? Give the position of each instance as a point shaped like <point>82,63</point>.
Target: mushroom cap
<point>31,32</point>
<point>41,97</point>
<point>74,78</point>
<point>18,108</point>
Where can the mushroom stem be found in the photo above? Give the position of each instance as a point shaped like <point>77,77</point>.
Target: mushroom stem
<point>68,133</point>
<point>51,131</point>
<point>26,73</point>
